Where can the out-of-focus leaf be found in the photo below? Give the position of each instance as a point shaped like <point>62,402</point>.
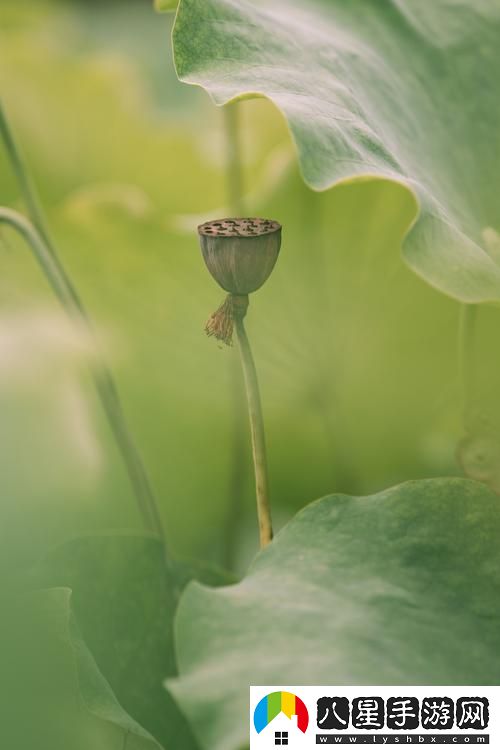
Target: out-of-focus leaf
<point>52,694</point>
<point>395,588</point>
<point>124,602</point>
<point>400,89</point>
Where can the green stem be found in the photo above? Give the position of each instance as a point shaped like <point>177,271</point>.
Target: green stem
<point>258,435</point>
<point>46,255</point>
<point>26,185</point>
<point>238,470</point>
<point>467,357</point>
<point>102,377</point>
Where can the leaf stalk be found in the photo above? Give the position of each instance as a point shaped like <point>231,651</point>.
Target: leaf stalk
<point>103,380</point>
<point>257,431</point>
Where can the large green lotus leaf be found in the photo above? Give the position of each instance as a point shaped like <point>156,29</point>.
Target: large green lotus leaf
<point>395,588</point>
<point>401,89</point>
<point>124,601</point>
<point>52,694</point>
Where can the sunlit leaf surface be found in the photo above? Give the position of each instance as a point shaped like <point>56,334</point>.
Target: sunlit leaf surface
<point>391,589</point>
<point>401,89</point>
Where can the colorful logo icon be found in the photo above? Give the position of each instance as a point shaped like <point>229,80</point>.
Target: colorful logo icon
<point>275,703</point>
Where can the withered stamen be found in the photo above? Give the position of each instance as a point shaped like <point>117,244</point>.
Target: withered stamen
<point>221,323</point>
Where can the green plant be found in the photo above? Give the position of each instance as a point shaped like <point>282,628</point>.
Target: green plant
<point>59,587</point>
<point>240,254</point>
<point>387,106</point>
<point>373,109</point>
<point>337,108</point>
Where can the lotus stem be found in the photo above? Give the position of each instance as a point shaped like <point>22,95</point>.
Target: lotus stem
<point>257,432</point>
<point>26,186</point>
<point>240,254</point>
<point>103,380</point>
<point>38,238</point>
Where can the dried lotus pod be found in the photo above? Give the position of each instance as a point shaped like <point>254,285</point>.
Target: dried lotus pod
<point>240,253</point>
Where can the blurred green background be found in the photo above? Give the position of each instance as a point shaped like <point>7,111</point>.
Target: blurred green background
<point>356,355</point>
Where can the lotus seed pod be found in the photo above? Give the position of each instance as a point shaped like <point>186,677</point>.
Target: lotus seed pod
<point>240,253</point>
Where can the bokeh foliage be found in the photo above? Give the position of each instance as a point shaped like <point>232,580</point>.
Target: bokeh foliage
<point>356,354</point>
